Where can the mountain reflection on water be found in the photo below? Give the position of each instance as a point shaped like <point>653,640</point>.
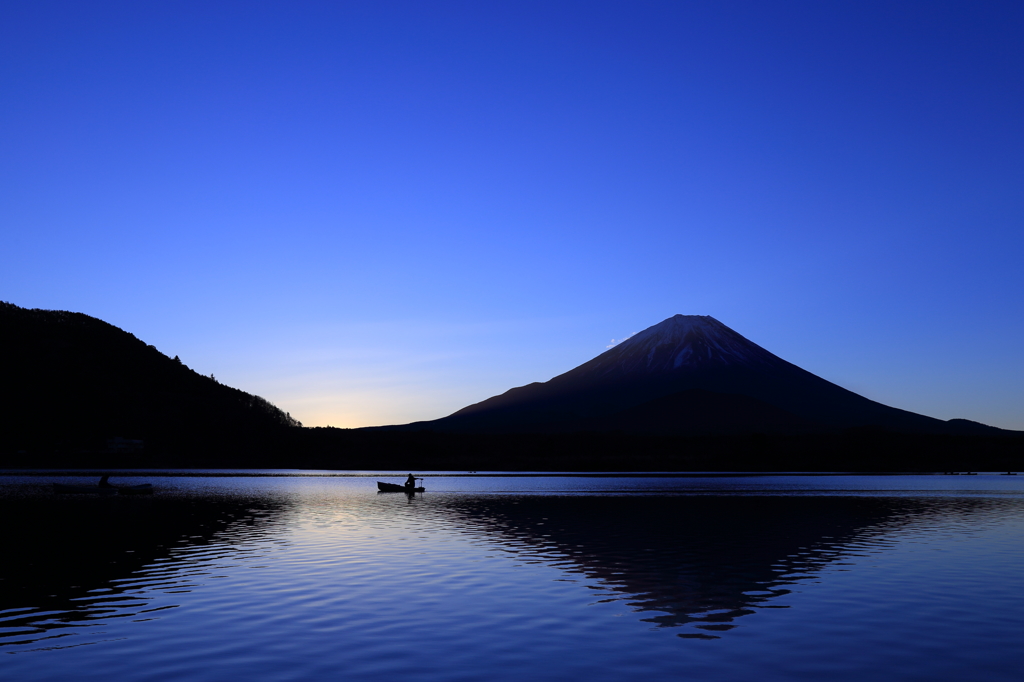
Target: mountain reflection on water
<point>707,560</point>
<point>513,578</point>
<point>73,561</point>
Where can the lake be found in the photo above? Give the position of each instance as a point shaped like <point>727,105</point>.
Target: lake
<point>506,577</point>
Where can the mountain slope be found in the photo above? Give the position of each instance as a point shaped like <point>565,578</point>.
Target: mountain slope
<point>739,387</point>
<point>73,381</point>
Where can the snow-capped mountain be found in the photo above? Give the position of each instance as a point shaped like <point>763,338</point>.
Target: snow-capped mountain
<point>680,343</point>
<point>689,373</point>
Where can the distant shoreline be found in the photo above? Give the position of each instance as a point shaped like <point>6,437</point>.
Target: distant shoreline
<point>597,454</point>
<point>247,473</point>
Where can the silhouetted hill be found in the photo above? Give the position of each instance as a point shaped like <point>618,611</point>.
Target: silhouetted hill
<point>73,382</point>
<point>689,374</point>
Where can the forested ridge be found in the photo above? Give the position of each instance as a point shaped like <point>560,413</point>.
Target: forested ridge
<point>73,382</point>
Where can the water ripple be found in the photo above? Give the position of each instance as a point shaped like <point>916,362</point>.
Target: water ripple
<point>315,579</point>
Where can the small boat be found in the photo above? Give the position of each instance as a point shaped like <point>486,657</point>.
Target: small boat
<point>141,489</point>
<point>395,488</point>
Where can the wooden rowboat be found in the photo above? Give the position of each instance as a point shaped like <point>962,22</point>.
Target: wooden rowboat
<point>395,488</point>
<point>141,489</point>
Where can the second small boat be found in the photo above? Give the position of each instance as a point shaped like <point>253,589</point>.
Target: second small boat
<point>141,489</point>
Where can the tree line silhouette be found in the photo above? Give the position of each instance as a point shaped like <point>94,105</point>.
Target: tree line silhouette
<point>74,382</point>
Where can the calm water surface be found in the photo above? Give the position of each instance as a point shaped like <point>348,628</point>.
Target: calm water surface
<point>500,578</point>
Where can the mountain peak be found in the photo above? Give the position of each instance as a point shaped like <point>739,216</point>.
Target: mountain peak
<point>686,374</point>
<point>677,343</point>
<point>674,329</point>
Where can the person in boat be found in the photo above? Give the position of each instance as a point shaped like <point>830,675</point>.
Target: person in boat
<point>410,483</point>
<point>104,483</point>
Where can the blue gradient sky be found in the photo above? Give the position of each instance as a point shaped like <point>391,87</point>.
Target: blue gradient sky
<point>379,212</point>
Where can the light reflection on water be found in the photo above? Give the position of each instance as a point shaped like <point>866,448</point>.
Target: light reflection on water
<point>548,578</point>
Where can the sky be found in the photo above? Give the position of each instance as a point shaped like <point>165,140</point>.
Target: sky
<point>381,212</point>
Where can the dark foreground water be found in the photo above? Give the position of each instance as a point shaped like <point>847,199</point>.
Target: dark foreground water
<point>481,578</point>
